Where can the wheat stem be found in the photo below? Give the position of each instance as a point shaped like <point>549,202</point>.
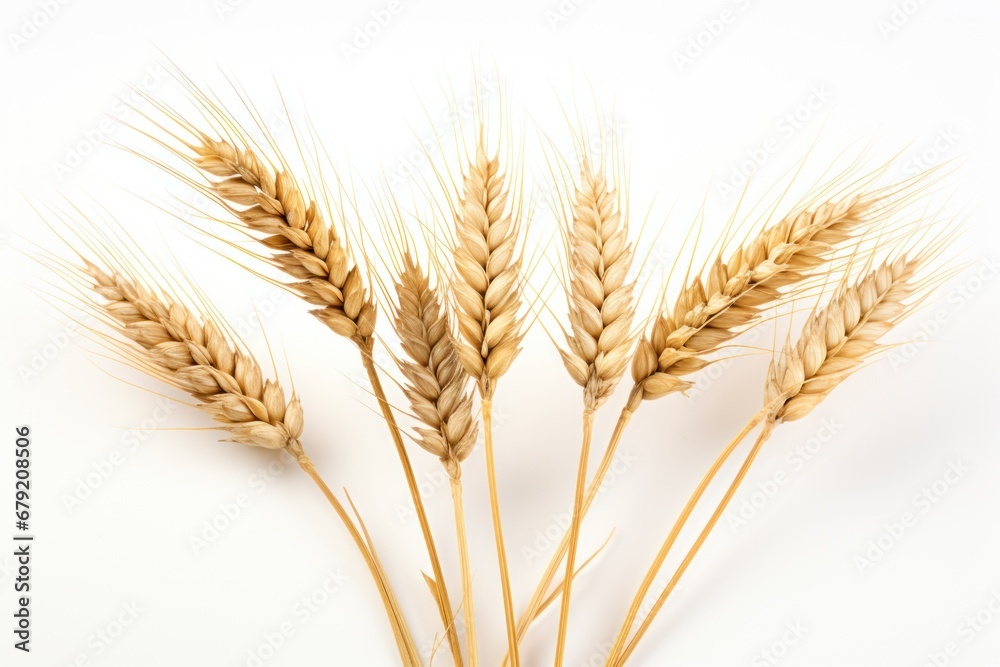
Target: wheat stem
<point>443,602</point>
<point>542,590</point>
<point>404,640</point>
<point>693,551</point>
<point>491,474</point>
<point>661,556</point>
<point>466,564</point>
<point>574,533</point>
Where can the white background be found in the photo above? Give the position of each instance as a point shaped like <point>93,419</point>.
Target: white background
<point>900,75</point>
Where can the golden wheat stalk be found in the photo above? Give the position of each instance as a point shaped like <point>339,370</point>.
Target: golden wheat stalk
<point>487,291</point>
<point>601,308</point>
<point>175,345</point>
<point>715,308</point>
<point>437,389</point>
<point>835,341</point>
<point>301,242</point>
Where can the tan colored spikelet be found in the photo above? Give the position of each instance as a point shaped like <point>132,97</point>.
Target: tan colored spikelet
<point>713,309</point>
<point>194,355</point>
<point>838,338</point>
<point>601,305</point>
<point>487,282</point>
<point>301,242</point>
<point>437,385</point>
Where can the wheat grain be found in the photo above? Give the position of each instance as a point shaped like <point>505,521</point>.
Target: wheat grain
<point>487,289</point>
<point>837,339</point>
<point>302,243</point>
<point>714,308</point>
<point>437,389</point>
<point>195,356</point>
<point>601,309</point>
<point>601,306</point>
<point>488,273</point>
<point>437,385</point>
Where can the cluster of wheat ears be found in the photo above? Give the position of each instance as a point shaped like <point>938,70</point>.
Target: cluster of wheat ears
<point>862,253</point>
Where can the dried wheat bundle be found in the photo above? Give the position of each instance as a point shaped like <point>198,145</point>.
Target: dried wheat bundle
<point>461,329</point>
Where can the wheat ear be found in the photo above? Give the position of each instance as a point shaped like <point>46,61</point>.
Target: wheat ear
<point>195,355</point>
<point>715,309</point>
<point>438,391</point>
<point>601,309</point>
<point>835,341</point>
<point>308,249</point>
<point>487,289</point>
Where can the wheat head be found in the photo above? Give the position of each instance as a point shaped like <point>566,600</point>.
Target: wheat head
<point>714,308</point>
<point>601,306</point>
<point>437,385</point>
<point>837,339</point>
<point>175,345</point>
<point>487,284</point>
<point>301,242</point>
